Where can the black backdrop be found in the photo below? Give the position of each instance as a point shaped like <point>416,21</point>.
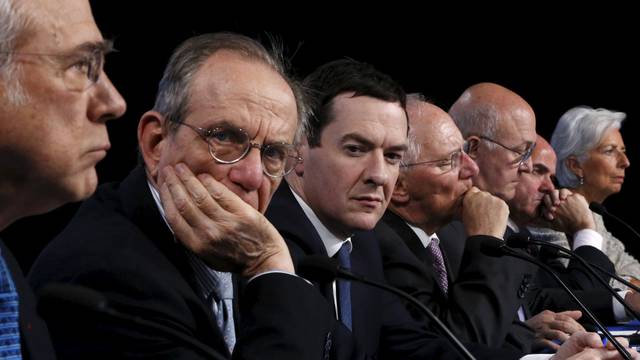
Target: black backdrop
<point>554,60</point>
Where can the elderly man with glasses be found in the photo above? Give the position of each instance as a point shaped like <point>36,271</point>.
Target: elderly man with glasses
<point>172,242</point>
<point>435,187</point>
<point>55,100</point>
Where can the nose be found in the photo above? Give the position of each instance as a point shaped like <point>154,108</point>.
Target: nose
<point>468,167</point>
<point>378,169</point>
<point>526,166</point>
<point>624,161</point>
<point>547,185</point>
<point>247,173</point>
<point>106,102</point>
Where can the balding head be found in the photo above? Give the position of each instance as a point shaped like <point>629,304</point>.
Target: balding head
<point>430,189</point>
<point>500,127</point>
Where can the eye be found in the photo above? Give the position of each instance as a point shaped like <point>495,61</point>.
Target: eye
<point>394,158</point>
<point>274,152</point>
<point>354,149</point>
<point>226,136</point>
<point>444,164</point>
<point>83,65</point>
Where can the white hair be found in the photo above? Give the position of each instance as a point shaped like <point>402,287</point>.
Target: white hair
<point>13,22</point>
<point>578,131</point>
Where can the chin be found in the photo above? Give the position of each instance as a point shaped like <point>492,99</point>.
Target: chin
<point>365,223</point>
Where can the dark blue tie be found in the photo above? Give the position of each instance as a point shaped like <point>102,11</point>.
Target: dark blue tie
<point>9,326</point>
<point>344,286</point>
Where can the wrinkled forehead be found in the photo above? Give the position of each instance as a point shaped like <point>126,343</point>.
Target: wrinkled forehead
<point>58,25</point>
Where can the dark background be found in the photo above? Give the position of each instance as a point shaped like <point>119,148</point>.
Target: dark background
<point>555,60</point>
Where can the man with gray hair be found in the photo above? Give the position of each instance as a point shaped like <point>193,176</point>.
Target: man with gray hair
<point>54,102</point>
<point>170,243</point>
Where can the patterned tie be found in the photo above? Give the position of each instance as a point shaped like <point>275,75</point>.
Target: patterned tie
<point>222,303</point>
<point>9,326</point>
<point>344,286</point>
<point>438,265</point>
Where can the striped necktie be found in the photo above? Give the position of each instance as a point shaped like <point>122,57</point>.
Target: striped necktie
<point>9,325</point>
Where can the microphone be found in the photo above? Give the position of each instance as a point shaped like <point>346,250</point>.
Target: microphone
<point>56,295</point>
<point>550,252</point>
<point>600,209</point>
<point>497,248</point>
<point>321,268</point>
<point>521,241</point>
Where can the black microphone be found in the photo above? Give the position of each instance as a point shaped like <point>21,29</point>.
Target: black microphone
<point>600,209</point>
<point>495,247</point>
<point>553,253</point>
<point>519,241</point>
<point>53,297</point>
<point>321,268</point>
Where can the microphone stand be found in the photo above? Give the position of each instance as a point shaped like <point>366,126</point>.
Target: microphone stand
<point>498,248</point>
<point>586,265</point>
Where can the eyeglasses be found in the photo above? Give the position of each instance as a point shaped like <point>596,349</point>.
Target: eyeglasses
<point>80,69</point>
<point>228,145</point>
<point>444,165</point>
<point>522,156</point>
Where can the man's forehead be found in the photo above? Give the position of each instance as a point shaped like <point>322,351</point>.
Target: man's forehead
<point>59,25</point>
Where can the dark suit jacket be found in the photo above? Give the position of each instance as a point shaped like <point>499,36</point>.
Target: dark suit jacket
<point>34,335</point>
<point>545,293</point>
<point>479,307</point>
<point>382,327</point>
<point>118,244</point>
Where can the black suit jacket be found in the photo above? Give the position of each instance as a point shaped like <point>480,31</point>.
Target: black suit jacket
<point>118,244</point>
<point>545,293</point>
<point>479,306</point>
<point>34,335</point>
<point>382,327</point>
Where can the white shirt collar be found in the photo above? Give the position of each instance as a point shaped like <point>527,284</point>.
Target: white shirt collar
<point>156,198</point>
<point>331,242</point>
<point>425,239</point>
<point>511,224</point>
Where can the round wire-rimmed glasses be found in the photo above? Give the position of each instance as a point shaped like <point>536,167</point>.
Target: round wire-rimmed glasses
<point>228,145</point>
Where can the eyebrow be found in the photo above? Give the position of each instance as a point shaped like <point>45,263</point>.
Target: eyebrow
<point>541,168</point>
<point>106,46</point>
<point>359,138</point>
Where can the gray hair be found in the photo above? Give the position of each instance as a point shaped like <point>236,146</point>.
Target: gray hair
<point>481,120</point>
<point>172,100</point>
<point>13,23</point>
<point>414,150</point>
<point>578,131</point>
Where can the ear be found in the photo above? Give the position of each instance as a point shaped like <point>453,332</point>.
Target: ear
<point>574,165</point>
<point>473,142</point>
<point>400,193</point>
<point>303,148</point>
<point>151,140</point>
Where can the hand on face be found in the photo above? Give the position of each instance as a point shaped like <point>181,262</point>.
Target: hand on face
<point>570,214</point>
<point>549,326</point>
<point>484,214</point>
<point>214,223</point>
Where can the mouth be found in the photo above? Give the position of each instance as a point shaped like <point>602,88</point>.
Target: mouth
<point>368,200</point>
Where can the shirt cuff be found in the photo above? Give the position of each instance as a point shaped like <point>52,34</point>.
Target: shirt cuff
<point>278,272</point>
<point>536,357</point>
<point>619,312</point>
<point>587,237</point>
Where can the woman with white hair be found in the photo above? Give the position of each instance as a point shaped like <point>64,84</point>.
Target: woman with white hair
<point>592,162</point>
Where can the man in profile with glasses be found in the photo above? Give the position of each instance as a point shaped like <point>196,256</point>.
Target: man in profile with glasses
<point>173,241</point>
<point>55,99</point>
<point>434,188</point>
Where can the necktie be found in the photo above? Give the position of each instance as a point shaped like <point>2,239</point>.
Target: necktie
<point>222,300</point>
<point>344,286</point>
<point>9,326</point>
<point>438,265</point>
